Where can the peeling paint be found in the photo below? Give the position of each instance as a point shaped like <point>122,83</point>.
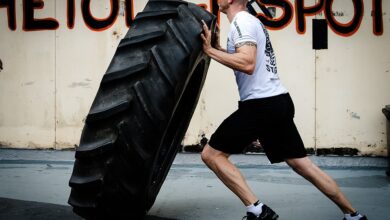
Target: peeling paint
<point>195,148</point>
<point>198,147</point>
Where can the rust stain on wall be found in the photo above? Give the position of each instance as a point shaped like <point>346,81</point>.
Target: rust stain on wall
<point>117,35</point>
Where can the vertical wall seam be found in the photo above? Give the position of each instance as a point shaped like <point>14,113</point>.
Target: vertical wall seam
<point>315,96</point>
<point>315,102</point>
<point>55,79</point>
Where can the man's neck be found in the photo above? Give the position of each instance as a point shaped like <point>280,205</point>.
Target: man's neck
<point>232,11</point>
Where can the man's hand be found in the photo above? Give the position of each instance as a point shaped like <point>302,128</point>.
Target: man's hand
<point>244,58</point>
<point>206,37</point>
<point>218,39</point>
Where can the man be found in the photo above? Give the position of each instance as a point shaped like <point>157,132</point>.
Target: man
<point>265,112</point>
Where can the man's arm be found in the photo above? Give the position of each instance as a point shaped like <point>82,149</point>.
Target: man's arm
<point>244,60</point>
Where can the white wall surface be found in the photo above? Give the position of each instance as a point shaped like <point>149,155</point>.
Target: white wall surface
<point>51,77</point>
<point>353,85</point>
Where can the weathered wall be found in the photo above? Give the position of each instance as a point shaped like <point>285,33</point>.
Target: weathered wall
<point>50,77</point>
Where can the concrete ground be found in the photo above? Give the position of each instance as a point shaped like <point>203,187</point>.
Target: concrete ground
<point>34,185</point>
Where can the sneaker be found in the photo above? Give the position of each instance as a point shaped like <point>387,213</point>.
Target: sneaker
<point>361,217</point>
<point>266,214</point>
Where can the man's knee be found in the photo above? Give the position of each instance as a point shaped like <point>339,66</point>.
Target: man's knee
<point>206,155</point>
<point>209,154</point>
<point>300,165</point>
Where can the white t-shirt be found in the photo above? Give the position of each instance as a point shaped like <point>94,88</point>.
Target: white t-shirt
<point>264,82</point>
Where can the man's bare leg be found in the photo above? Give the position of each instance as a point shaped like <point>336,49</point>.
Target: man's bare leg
<point>306,168</point>
<point>228,173</point>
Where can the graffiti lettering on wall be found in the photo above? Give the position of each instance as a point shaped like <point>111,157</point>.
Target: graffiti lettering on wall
<point>31,23</point>
<point>322,6</point>
<point>301,11</point>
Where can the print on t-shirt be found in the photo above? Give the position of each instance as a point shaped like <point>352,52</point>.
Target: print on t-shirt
<point>264,81</point>
<point>269,52</point>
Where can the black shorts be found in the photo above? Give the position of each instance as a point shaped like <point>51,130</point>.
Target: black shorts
<point>270,120</point>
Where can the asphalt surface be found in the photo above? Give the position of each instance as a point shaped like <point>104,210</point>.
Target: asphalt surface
<point>34,185</point>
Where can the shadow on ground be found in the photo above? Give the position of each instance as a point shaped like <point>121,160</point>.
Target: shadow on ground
<point>19,209</point>
<point>12,209</point>
<point>151,217</point>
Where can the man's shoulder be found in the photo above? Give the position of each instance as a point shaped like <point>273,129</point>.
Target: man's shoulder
<point>246,18</point>
<point>246,22</point>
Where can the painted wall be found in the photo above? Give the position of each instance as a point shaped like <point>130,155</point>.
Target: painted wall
<point>54,54</point>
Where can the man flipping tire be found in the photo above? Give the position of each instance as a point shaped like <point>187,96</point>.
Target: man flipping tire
<point>265,112</point>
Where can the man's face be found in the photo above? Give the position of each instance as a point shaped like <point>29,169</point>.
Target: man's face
<point>223,5</point>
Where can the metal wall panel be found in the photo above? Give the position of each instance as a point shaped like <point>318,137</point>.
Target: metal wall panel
<point>27,83</point>
<point>50,78</point>
<point>353,84</point>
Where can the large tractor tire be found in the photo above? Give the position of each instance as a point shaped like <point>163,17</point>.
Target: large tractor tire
<point>141,112</point>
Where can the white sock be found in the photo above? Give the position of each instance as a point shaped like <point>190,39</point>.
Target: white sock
<point>353,216</point>
<point>255,208</point>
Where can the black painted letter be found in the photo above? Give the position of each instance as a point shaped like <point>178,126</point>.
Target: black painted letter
<point>129,7</point>
<point>10,5</point>
<point>345,29</point>
<point>32,24</point>
<point>96,24</point>
<point>70,13</point>
<point>279,23</point>
<point>215,9</point>
<point>302,11</point>
<point>377,17</point>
